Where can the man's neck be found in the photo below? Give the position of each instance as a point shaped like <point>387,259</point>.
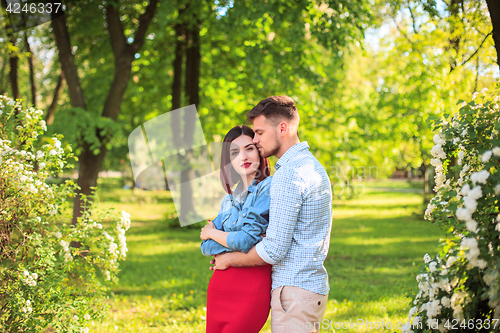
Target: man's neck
<point>284,148</point>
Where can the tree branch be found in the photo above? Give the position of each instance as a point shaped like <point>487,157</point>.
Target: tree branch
<point>479,47</point>
<point>144,21</point>
<point>116,35</point>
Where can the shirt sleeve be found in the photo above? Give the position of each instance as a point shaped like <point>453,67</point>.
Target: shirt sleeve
<point>209,247</point>
<point>286,201</point>
<point>255,222</point>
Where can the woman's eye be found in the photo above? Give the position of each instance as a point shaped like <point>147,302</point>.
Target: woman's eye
<point>250,149</point>
<point>234,153</point>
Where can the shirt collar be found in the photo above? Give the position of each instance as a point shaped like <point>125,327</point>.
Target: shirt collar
<point>251,188</point>
<point>292,151</point>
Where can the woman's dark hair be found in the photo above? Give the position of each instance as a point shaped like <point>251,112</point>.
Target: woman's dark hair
<point>228,176</point>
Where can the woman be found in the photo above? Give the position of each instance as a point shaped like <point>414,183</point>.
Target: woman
<point>238,299</point>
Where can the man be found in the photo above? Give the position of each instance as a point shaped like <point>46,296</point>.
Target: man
<point>300,219</point>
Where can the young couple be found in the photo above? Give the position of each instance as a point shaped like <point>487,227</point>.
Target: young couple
<point>271,236</point>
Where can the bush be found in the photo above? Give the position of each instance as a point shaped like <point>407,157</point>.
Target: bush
<point>459,289</point>
<point>45,283</point>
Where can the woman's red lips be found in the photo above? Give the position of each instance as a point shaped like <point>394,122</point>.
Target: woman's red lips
<point>246,165</point>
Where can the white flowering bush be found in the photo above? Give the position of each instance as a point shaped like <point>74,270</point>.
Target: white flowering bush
<point>460,287</point>
<point>45,283</point>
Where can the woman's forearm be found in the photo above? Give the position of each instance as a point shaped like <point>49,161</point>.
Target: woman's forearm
<point>219,236</point>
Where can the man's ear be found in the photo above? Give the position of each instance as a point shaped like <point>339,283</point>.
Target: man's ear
<point>283,128</point>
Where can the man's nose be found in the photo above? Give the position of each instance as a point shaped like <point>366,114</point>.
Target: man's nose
<point>255,140</point>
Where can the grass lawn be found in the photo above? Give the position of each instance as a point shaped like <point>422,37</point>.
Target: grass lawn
<point>377,245</point>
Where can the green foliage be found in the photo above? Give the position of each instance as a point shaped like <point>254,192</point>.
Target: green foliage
<point>163,283</point>
<point>52,275</point>
<point>462,283</point>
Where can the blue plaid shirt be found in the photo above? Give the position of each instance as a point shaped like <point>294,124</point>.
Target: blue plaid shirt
<point>300,222</point>
<point>244,216</point>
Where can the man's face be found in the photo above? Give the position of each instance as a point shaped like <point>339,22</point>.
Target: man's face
<point>267,137</point>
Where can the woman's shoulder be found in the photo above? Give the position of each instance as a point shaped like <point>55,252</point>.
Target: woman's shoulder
<point>264,184</point>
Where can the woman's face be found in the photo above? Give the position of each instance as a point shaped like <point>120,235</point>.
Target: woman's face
<point>244,156</point>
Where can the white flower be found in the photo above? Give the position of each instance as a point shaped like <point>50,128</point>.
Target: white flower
<point>42,166</point>
<point>57,143</point>
<point>484,91</point>
<point>438,152</point>
<point>432,266</point>
<point>461,156</point>
<point>450,261</point>
<point>490,278</point>
<point>34,276</point>
<point>84,330</point>
<point>58,234</point>
<point>496,151</point>
<point>26,273</point>
<point>436,162</point>
<point>471,226</point>
<point>445,301</point>
<point>474,95</point>
<point>43,125</point>
<point>470,204</point>
<point>406,328</point>
<point>28,303</point>
<point>427,258</point>
<point>438,140</point>
<point>475,193</point>
<point>87,316</point>
<point>76,317</point>
<point>497,189</point>
<point>480,177</point>
<point>486,156</point>
<point>52,152</point>
<point>463,214</point>
<point>465,189</point>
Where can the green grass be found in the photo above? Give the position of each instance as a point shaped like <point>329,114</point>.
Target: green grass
<point>377,244</point>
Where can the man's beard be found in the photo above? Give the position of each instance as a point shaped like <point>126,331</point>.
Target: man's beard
<point>271,152</point>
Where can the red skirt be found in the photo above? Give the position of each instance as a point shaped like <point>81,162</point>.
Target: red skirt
<point>239,299</point>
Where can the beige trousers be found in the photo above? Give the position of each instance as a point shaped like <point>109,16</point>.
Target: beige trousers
<point>294,309</point>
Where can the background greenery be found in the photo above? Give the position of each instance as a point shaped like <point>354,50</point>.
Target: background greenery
<point>376,250</point>
<point>366,75</point>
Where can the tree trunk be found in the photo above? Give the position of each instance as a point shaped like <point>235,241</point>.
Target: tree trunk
<point>494,9</point>
<point>13,60</point>
<point>67,61</point>
<point>32,70</point>
<point>5,60</point>
<point>454,9</point>
<point>191,82</point>
<point>90,163</point>
<point>49,119</point>
<point>124,53</point>
<point>177,83</point>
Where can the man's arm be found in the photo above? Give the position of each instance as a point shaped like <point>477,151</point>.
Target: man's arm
<point>237,259</point>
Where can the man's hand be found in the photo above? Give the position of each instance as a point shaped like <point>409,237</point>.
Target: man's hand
<point>221,262</point>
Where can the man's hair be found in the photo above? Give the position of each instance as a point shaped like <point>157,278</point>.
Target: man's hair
<point>276,109</point>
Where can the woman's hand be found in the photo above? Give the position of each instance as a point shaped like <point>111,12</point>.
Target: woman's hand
<point>207,230</point>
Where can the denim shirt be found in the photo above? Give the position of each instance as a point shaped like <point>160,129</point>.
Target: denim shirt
<point>245,217</point>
